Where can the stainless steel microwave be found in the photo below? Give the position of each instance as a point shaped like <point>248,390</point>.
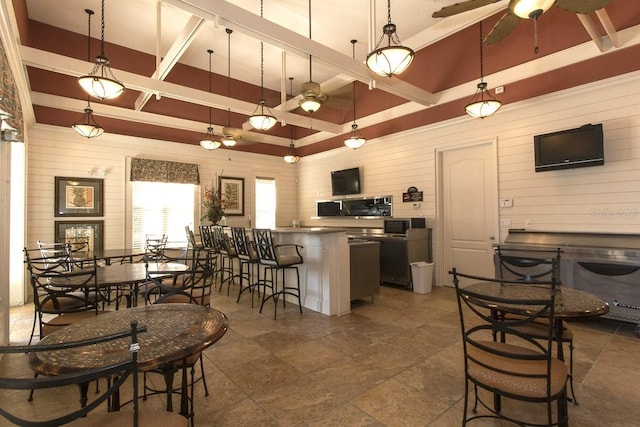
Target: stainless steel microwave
<point>401,225</point>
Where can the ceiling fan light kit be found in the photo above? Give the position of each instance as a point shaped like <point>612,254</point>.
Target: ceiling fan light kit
<point>100,82</point>
<point>392,59</point>
<point>526,9</point>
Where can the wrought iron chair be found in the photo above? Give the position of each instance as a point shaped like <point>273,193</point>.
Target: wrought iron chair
<point>189,287</point>
<point>248,257</point>
<point>519,366</point>
<point>279,258</point>
<point>119,373</point>
<point>531,266</point>
<point>226,247</point>
<point>61,296</point>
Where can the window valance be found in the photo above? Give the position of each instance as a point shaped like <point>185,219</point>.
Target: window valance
<point>164,171</point>
<point>10,108</point>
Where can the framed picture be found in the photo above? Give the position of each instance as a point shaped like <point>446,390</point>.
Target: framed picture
<point>232,191</point>
<point>78,196</point>
<point>82,235</point>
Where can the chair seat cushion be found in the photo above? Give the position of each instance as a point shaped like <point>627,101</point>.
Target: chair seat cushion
<point>146,418</point>
<point>539,328</point>
<point>506,373</point>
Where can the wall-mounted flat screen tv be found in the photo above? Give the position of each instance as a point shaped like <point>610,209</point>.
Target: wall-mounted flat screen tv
<point>345,182</point>
<point>572,148</point>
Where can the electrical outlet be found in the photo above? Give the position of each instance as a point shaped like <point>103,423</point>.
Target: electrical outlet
<point>527,223</point>
<point>505,223</point>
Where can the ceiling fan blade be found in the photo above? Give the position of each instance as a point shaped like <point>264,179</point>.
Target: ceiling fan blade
<point>582,6</point>
<point>505,25</point>
<point>457,8</point>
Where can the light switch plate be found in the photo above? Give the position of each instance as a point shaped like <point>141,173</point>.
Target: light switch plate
<point>506,203</point>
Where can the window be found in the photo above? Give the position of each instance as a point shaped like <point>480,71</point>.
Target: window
<point>265,203</point>
<point>161,208</point>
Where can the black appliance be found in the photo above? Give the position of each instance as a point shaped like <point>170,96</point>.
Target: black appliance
<point>572,148</point>
<point>401,225</point>
<point>345,182</point>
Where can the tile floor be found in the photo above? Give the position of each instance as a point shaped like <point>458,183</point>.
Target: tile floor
<point>396,362</point>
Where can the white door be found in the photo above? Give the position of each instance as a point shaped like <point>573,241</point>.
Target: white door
<point>469,209</point>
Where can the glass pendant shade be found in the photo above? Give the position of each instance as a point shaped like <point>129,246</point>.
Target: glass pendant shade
<point>262,120</point>
<point>209,141</point>
<point>355,141</point>
<point>88,127</point>
<point>482,104</point>
<point>390,60</point>
<point>393,58</point>
<point>291,157</point>
<point>100,82</point>
<point>526,9</point>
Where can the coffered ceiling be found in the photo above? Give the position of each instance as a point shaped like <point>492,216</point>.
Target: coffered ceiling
<point>158,49</point>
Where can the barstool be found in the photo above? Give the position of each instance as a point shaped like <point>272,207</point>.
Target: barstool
<point>248,256</point>
<point>273,257</point>
<point>228,253</point>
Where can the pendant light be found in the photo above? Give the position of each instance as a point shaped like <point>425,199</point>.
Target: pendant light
<point>482,104</point>
<point>100,82</point>
<point>228,133</point>
<point>87,126</point>
<point>355,141</point>
<point>291,157</point>
<point>312,96</point>
<point>209,141</point>
<point>262,120</point>
<point>393,58</point>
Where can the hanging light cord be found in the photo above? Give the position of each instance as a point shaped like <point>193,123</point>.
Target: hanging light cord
<point>388,11</point>
<point>89,13</point>
<point>210,52</point>
<point>229,31</point>
<point>481,56</point>
<point>261,59</point>
<point>102,30</point>
<point>310,79</point>
<point>353,42</point>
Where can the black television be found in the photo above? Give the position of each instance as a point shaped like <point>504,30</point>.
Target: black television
<point>345,182</point>
<point>567,149</point>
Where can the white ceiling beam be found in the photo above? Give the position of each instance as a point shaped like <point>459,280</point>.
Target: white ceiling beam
<point>173,55</point>
<point>74,67</point>
<point>269,32</point>
<point>119,113</point>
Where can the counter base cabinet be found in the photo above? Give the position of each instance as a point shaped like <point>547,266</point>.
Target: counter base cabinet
<point>365,271</point>
<point>324,275</point>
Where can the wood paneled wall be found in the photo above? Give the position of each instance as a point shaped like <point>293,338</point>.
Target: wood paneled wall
<point>597,199</point>
<point>54,151</point>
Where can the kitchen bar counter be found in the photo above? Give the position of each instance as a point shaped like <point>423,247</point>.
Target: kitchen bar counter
<point>324,276</point>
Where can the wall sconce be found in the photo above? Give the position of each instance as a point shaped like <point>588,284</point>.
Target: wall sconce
<point>98,172</point>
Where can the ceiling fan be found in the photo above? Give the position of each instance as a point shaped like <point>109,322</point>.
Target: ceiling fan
<point>520,9</point>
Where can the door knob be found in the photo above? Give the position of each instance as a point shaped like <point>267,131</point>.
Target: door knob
<point>492,237</point>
